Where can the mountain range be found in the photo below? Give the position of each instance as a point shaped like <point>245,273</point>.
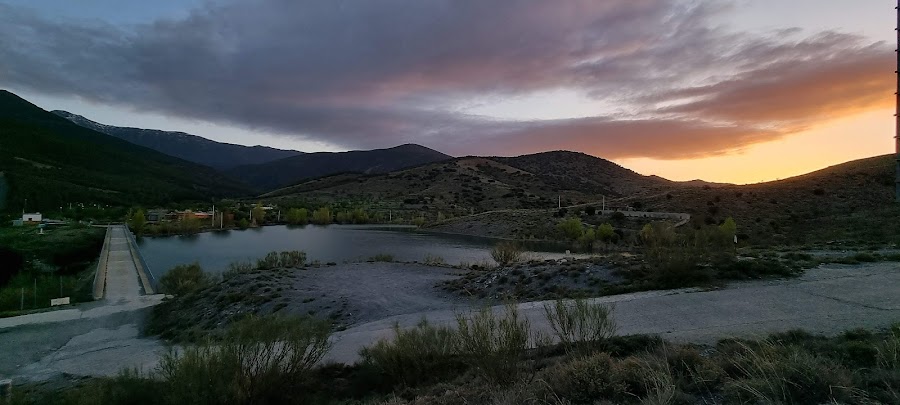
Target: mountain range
<point>262,167</point>
<point>193,148</point>
<point>50,162</point>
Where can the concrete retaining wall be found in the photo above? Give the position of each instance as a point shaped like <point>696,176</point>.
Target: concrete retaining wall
<point>100,275</point>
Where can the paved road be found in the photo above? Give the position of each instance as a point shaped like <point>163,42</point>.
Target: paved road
<point>825,300</point>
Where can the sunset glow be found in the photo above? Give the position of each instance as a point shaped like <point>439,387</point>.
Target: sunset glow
<point>726,91</point>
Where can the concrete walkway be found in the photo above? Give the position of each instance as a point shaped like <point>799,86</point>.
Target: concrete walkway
<point>122,290</point>
<point>826,300</point>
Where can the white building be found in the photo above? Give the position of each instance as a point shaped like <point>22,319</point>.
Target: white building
<point>34,217</point>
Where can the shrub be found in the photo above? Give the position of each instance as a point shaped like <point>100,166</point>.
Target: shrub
<point>270,261</point>
<point>236,268</point>
<point>585,380</point>
<point>506,253</point>
<point>579,322</point>
<point>260,360</point>
<point>413,356</point>
<point>185,279</point>
<point>494,344</point>
<point>292,259</point>
<point>382,257</point>
<point>434,260</point>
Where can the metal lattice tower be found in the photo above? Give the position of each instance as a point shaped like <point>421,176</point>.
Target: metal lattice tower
<point>897,114</point>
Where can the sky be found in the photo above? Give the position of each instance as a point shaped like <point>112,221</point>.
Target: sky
<point>738,91</point>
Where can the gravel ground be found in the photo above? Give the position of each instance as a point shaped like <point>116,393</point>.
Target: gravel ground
<point>346,294</point>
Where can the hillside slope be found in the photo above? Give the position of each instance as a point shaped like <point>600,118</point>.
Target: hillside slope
<point>849,201</point>
<point>52,162</point>
<point>193,148</point>
<point>585,173</point>
<point>475,184</point>
<point>293,170</point>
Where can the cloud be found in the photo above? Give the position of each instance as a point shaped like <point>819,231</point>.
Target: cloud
<point>363,74</point>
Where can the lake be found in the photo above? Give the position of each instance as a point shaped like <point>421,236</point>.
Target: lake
<point>334,243</point>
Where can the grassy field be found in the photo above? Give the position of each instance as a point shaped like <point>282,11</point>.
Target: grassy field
<point>38,267</point>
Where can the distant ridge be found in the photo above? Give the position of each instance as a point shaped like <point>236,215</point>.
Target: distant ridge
<point>193,148</point>
<point>293,170</point>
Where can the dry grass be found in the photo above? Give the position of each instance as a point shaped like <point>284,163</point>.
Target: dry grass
<point>580,322</point>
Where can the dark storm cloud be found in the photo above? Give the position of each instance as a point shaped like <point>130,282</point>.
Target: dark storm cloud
<point>361,74</point>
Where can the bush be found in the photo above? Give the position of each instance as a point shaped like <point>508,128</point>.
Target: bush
<point>293,259</point>
<point>287,259</point>
<point>260,360</point>
<point>185,279</point>
<point>494,344</point>
<point>506,253</point>
<point>434,260</point>
<point>270,261</point>
<point>236,268</point>
<point>382,257</point>
<point>579,322</point>
<point>421,354</point>
<point>584,380</point>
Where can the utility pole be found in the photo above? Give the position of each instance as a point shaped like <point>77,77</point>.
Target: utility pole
<point>897,114</point>
<point>213,216</point>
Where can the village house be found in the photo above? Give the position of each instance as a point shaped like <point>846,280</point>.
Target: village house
<point>32,218</point>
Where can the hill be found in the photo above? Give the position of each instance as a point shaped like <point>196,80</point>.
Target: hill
<point>853,201</point>
<point>193,148</point>
<point>475,184</point>
<point>293,170</point>
<point>52,162</point>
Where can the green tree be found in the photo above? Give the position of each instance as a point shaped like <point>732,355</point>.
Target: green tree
<point>243,223</point>
<point>259,214</point>
<point>297,216</point>
<point>322,216</point>
<point>189,224</point>
<point>138,222</point>
<point>729,228</point>
<point>606,233</point>
<point>587,238</point>
<point>571,228</point>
